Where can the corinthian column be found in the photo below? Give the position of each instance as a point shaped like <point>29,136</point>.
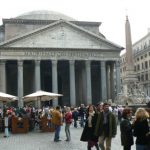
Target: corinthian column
<point>103,81</point>
<point>38,79</point>
<point>108,81</point>
<point>118,82</point>
<point>112,86</point>
<point>20,83</point>
<point>37,75</point>
<point>2,76</point>
<point>88,81</point>
<point>72,83</point>
<point>54,80</point>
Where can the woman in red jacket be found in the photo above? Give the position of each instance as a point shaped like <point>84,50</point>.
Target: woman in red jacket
<point>68,121</point>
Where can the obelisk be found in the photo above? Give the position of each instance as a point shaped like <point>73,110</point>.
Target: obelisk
<point>131,77</point>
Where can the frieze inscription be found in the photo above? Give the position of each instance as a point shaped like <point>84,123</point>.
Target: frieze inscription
<point>57,55</point>
<point>64,54</point>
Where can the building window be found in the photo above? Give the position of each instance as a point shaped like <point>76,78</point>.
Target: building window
<point>146,76</point>
<point>146,65</point>
<point>120,70</point>
<point>141,57</point>
<point>124,69</point>
<point>138,67</point>
<point>138,59</point>
<point>145,45</point>
<point>142,77</point>
<point>145,55</point>
<point>138,78</point>
<point>142,66</point>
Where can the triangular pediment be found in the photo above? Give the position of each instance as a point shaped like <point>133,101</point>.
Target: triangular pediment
<point>61,34</point>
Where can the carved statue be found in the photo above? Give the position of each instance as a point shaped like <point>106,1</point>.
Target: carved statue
<point>135,95</point>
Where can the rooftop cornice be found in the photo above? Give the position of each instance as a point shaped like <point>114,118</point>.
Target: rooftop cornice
<point>142,52</point>
<point>30,21</point>
<point>143,38</point>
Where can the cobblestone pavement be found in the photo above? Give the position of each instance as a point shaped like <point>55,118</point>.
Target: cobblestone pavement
<point>44,141</point>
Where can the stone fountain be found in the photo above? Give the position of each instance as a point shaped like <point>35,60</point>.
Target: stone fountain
<point>132,95</point>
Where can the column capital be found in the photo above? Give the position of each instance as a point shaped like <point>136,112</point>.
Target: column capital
<point>20,63</point>
<point>88,62</point>
<point>117,63</point>
<point>103,63</point>
<point>54,62</point>
<point>37,62</point>
<point>71,62</point>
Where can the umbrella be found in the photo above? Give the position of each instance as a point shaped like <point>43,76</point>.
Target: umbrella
<point>7,97</point>
<point>41,95</point>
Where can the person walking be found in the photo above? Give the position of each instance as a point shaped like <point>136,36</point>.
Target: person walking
<point>88,131</point>
<point>68,121</point>
<point>106,127</point>
<point>57,121</point>
<point>126,129</point>
<point>6,123</point>
<point>141,129</point>
<point>75,115</point>
<point>115,112</point>
<point>82,115</point>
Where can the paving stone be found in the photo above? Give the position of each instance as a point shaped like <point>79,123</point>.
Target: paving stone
<point>44,141</point>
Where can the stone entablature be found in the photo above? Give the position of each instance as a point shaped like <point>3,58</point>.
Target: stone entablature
<point>58,54</point>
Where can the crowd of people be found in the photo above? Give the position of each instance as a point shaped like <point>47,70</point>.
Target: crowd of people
<point>99,123</point>
<point>101,127</point>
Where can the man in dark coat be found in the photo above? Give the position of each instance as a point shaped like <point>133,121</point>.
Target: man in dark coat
<point>106,127</point>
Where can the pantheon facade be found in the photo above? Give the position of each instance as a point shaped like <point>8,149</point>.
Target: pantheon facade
<point>44,50</point>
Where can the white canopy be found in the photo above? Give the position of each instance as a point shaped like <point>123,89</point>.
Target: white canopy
<point>41,95</point>
<point>7,97</point>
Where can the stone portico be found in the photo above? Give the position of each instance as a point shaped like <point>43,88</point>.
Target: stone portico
<point>63,56</point>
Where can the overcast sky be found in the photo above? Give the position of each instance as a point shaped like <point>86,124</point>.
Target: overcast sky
<point>112,14</point>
